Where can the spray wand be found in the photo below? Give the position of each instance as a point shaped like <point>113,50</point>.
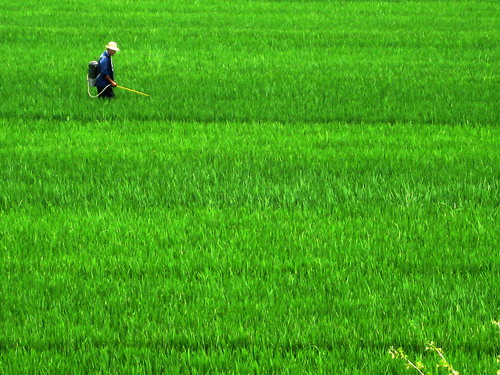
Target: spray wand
<point>137,92</point>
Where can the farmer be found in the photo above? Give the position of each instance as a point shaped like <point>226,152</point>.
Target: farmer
<point>106,76</point>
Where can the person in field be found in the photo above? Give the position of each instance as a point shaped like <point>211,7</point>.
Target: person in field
<point>106,73</point>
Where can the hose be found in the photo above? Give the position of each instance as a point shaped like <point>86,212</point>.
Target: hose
<point>99,93</point>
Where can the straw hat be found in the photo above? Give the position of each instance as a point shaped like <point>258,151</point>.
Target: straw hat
<point>113,46</point>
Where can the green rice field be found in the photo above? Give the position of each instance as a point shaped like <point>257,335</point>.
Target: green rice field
<point>308,184</point>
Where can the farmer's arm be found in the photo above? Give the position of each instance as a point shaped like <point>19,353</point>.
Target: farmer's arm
<point>111,82</point>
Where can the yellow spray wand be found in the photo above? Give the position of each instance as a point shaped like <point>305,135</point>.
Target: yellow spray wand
<point>137,92</point>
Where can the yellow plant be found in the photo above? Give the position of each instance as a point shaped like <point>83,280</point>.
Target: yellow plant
<point>400,354</point>
<point>442,361</point>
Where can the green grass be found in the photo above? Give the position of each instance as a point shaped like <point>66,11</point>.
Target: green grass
<point>397,62</point>
<point>287,247</point>
<point>309,184</point>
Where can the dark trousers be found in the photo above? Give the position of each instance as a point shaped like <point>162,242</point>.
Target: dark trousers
<point>105,93</point>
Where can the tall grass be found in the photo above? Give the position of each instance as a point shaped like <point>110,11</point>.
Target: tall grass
<point>309,184</point>
<point>234,247</point>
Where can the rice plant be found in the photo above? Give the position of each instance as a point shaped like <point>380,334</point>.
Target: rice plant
<point>308,184</point>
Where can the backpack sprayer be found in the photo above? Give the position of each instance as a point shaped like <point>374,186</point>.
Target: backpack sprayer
<point>92,77</point>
